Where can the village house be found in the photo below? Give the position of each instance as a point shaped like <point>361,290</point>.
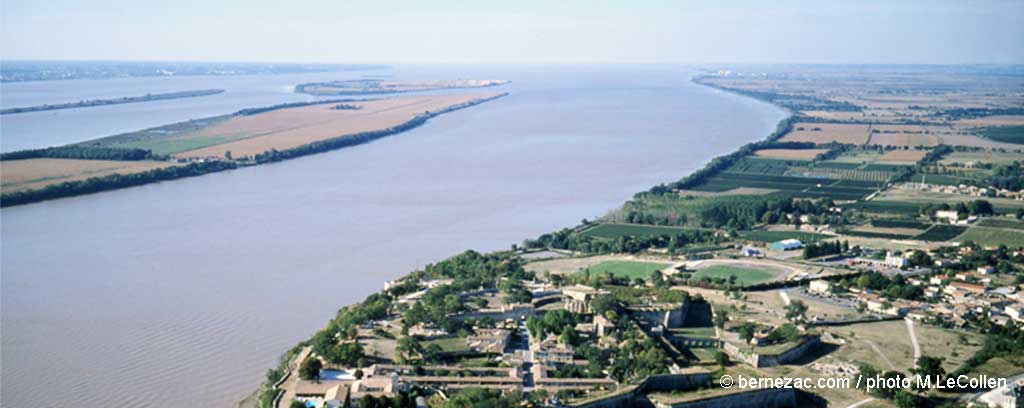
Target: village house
<point>820,286</point>
<point>550,351</point>
<point>603,326</point>
<point>488,340</point>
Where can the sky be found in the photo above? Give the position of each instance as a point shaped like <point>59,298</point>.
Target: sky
<point>516,32</point>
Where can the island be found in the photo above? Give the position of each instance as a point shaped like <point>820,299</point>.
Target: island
<point>112,101</point>
<point>245,138</point>
<point>876,234</point>
<point>380,86</point>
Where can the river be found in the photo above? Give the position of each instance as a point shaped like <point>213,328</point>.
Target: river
<point>183,293</point>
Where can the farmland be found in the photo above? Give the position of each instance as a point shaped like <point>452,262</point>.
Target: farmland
<point>903,156</point>
<point>791,154</point>
<point>941,232</point>
<point>1005,134</point>
<point>773,236</point>
<point>798,186</point>
<point>31,174</point>
<point>632,230</point>
<point>992,236</point>
<point>1006,223</point>
<point>823,133</point>
<point>282,129</point>
<point>625,269</point>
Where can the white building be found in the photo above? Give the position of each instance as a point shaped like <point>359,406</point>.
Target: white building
<point>820,286</point>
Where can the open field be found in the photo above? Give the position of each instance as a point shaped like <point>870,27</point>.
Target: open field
<point>1004,222</point>
<point>744,275</point>
<point>798,186</point>
<point>995,120</point>
<point>563,266</point>
<point>797,154</point>
<point>822,133</point>
<point>1001,205</point>
<point>30,174</point>
<point>988,236</point>
<point>1005,134</point>
<point>626,269</point>
<point>941,232</point>
<point>975,141</point>
<point>634,230</point>
<point>903,139</point>
<point>773,236</point>
<point>983,156</point>
<point>376,86</point>
<point>281,129</point>
<point>903,156</point>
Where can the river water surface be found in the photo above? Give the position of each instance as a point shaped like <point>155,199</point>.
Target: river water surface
<point>183,293</point>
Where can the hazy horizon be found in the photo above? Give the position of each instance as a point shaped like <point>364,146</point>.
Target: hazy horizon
<point>527,32</point>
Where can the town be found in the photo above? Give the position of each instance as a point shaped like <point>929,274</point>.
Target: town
<point>860,240</point>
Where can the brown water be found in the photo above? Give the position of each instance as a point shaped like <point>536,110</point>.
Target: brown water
<point>183,293</point>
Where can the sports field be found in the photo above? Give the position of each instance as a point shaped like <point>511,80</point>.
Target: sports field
<point>744,275</point>
<point>625,269</point>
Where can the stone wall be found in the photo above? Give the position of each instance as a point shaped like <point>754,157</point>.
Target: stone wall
<point>770,360</point>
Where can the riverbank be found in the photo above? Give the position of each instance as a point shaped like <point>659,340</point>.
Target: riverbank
<point>269,392</point>
<point>112,101</point>
<point>201,161</point>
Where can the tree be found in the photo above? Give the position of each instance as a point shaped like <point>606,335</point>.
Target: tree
<point>905,399</point>
<point>796,310</point>
<point>408,348</point>
<point>721,358</point>
<point>721,316</point>
<point>747,331</point>
<point>297,404</point>
<point>929,366</point>
<point>346,353</point>
<point>310,369</point>
<point>227,154</point>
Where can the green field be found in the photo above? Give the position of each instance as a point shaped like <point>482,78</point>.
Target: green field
<point>1006,223</point>
<point>633,230</point>
<point>695,332</point>
<point>897,223</point>
<point>941,232</point>
<point>172,146</point>
<point>744,276</point>
<point>1006,134</point>
<point>625,269</point>
<point>773,236</point>
<point>988,236</point>
<point>797,186</point>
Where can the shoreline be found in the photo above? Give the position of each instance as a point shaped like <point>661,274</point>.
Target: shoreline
<point>90,103</point>
<point>198,168</point>
<point>270,389</point>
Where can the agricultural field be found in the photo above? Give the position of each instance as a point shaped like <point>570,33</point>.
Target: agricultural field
<point>615,231</point>
<point>744,275</point>
<point>790,154</point>
<point>962,159</point>
<point>1001,205</point>
<point>625,269</point>
<point>31,174</point>
<point>797,186</point>
<point>988,236</point>
<point>941,232</point>
<point>875,176</point>
<point>823,133</point>
<point>995,120</point>
<point>903,140</point>
<point>773,236</point>
<point>903,156</point>
<point>281,129</point>
<point>1004,222</point>
<point>1005,134</point>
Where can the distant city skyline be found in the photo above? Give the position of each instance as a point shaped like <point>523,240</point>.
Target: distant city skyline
<point>524,32</point>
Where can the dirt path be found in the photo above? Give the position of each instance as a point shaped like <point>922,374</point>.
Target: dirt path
<point>862,402</point>
<point>879,351</point>
<point>913,339</point>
